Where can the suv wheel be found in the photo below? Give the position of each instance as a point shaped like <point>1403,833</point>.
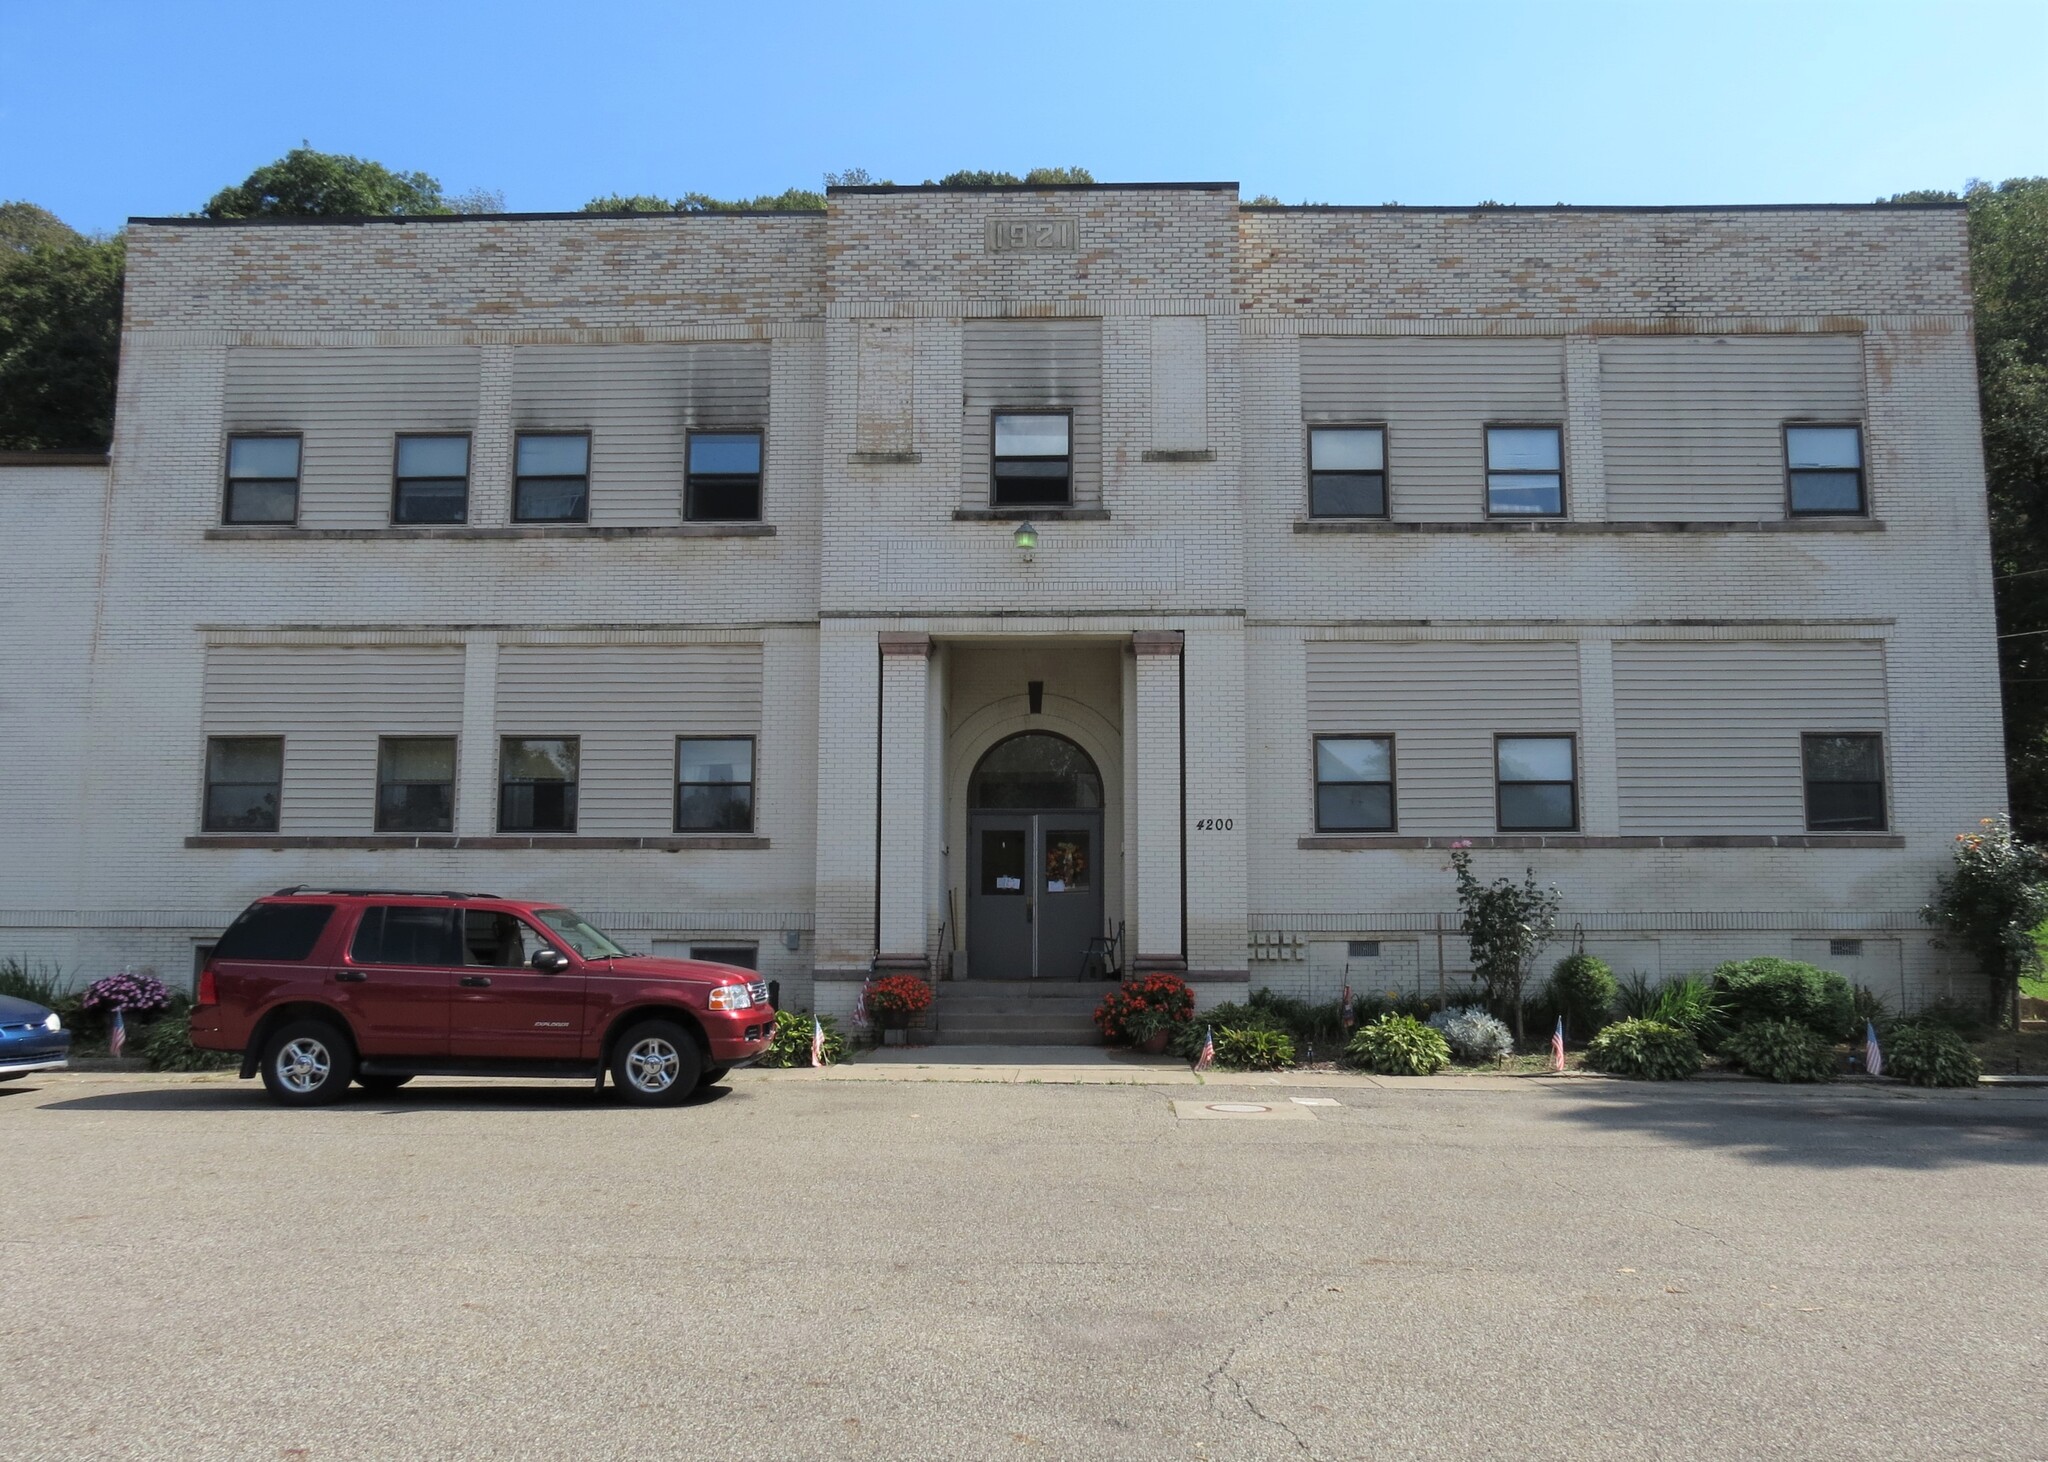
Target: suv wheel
<point>656,1064</point>
<point>308,1063</point>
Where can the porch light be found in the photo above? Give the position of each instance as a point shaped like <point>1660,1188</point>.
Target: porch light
<point>1026,539</point>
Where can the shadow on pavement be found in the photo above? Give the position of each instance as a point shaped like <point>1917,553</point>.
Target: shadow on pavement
<point>1811,1127</point>
<point>564,1096</point>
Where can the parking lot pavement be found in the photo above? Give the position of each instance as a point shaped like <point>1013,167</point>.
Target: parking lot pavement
<point>798,1268</point>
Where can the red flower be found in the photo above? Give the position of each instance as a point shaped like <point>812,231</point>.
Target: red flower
<point>899,995</point>
<point>1168,994</point>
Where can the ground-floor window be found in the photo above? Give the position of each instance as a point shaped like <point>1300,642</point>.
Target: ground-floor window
<point>244,783</point>
<point>537,777</point>
<point>1844,782</point>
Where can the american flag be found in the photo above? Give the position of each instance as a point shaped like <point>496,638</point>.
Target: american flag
<point>860,1007</point>
<point>1873,1059</point>
<point>817,1041</point>
<point>1208,1057</point>
<point>118,1038</point>
<point>1349,1017</point>
<point>1557,1046</point>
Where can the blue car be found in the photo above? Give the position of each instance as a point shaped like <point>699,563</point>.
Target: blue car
<point>32,1038</point>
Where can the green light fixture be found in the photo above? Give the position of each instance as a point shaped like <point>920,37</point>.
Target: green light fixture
<point>1026,539</point>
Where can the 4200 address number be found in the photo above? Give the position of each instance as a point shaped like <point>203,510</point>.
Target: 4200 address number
<point>1215,824</point>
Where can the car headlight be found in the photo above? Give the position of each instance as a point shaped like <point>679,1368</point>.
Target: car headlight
<point>52,1022</point>
<point>732,997</point>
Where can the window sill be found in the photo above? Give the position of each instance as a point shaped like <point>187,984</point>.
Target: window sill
<point>1363,842</point>
<point>568,842</point>
<point>463,534</point>
<point>883,459</point>
<point>1203,454</point>
<point>1049,514</point>
<point>1565,525</point>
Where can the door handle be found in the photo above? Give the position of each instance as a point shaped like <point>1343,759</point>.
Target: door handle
<point>476,982</point>
<point>350,977</point>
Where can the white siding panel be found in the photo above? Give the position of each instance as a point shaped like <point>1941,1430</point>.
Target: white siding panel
<point>1028,364</point>
<point>330,704</point>
<point>629,703</point>
<point>1707,732</point>
<point>349,403</point>
<point>1692,423</point>
<point>1443,702</point>
<point>1435,395</point>
<point>638,402</point>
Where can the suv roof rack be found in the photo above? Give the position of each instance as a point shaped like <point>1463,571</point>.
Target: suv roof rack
<point>410,893</point>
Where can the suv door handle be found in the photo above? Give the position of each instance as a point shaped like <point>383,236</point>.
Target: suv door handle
<point>476,982</point>
<point>350,977</point>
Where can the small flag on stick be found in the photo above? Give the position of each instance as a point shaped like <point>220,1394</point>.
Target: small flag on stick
<point>1873,1058</point>
<point>1557,1046</point>
<point>817,1041</point>
<point>1349,1017</point>
<point>117,1039</point>
<point>1208,1057</point>
<point>860,1007</point>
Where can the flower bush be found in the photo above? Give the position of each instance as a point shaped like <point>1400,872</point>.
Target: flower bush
<point>1750,990</point>
<point>897,996</point>
<point>1473,1033</point>
<point>1168,994</point>
<point>136,993</point>
<point>1648,1050</point>
<point>1254,1050</point>
<point>1506,923</point>
<point>1927,1054</point>
<point>1990,903</point>
<point>1399,1045</point>
<point>1781,1050</point>
<point>791,1043</point>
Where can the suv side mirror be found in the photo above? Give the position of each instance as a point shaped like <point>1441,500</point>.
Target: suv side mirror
<point>550,961</point>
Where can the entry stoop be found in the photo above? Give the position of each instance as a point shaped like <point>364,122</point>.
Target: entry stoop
<point>1017,1012</point>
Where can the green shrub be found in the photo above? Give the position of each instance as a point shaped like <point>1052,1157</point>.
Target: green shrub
<point>1582,990</point>
<point>1782,1050</point>
<point>1782,989</point>
<point>1965,1020</point>
<point>41,983</point>
<point>1873,1009</point>
<point>1310,1025</point>
<point>1399,1045</point>
<point>791,1044</point>
<point>1635,997</point>
<point>167,1044</point>
<point>1691,1003</point>
<point>1256,1049</point>
<point>1931,1055</point>
<point>1648,1050</point>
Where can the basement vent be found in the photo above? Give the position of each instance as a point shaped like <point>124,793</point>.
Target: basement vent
<point>1364,949</point>
<point>1840,948</point>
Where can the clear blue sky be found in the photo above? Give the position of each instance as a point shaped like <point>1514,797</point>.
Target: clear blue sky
<point>113,109</point>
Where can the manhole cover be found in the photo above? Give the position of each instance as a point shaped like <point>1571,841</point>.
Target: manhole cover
<point>1237,1107</point>
<point>1241,1111</point>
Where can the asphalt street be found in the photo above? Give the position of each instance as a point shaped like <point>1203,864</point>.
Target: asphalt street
<point>803,1268</point>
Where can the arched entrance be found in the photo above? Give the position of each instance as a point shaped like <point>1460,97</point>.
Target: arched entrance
<point>1034,849</point>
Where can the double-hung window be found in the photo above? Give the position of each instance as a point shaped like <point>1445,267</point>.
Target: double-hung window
<point>430,480</point>
<point>263,480</point>
<point>537,778</point>
<point>723,482</point>
<point>551,481</point>
<point>1347,472</point>
<point>244,783</point>
<point>1536,786</point>
<point>1824,471</point>
<point>1844,782</point>
<point>1032,464</point>
<point>714,784</point>
<point>1524,472</point>
<point>416,784</point>
<point>1354,784</point>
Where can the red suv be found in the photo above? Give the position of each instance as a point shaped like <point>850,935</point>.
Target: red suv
<point>320,987</point>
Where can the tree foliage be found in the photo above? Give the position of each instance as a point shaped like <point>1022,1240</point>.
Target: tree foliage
<point>60,344</point>
<point>24,227</point>
<point>789,200</point>
<point>1990,903</point>
<point>308,184</point>
<point>983,178</point>
<point>1507,924</point>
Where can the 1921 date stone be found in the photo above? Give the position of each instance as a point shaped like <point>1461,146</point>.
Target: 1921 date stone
<point>1032,235</point>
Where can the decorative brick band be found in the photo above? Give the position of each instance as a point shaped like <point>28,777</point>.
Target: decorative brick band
<point>566,843</point>
<point>1498,525</point>
<point>1156,641</point>
<point>910,646</point>
<point>1393,842</point>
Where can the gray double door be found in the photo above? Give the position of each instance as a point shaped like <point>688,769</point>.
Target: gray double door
<point>1034,893</point>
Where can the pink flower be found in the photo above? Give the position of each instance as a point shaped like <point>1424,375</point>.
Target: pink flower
<point>1462,843</point>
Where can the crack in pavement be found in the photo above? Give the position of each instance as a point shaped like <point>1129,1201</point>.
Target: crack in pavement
<point>1237,1385</point>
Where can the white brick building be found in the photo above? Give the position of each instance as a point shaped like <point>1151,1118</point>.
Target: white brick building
<point>1644,541</point>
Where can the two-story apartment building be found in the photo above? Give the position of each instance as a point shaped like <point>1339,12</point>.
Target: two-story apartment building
<point>947,579</point>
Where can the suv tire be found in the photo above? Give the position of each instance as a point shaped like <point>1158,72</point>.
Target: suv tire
<point>308,1063</point>
<point>656,1063</point>
<point>379,1085</point>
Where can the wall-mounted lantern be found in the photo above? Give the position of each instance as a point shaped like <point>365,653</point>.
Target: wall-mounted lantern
<point>1026,539</point>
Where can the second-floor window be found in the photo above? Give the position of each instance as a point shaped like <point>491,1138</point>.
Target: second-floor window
<point>1347,472</point>
<point>1524,472</point>
<point>1033,460</point>
<point>714,785</point>
<point>263,480</point>
<point>416,784</point>
<point>537,777</point>
<point>1354,784</point>
<point>724,477</point>
<point>1844,782</point>
<point>1824,470</point>
<point>244,780</point>
<point>1536,787</point>
<point>551,477</point>
<point>430,481</point>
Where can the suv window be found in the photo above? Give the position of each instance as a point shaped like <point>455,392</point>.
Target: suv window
<point>275,932</point>
<point>398,934</point>
<point>500,940</point>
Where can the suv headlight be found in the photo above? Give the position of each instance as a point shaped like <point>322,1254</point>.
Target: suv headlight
<point>53,1022</point>
<point>732,997</point>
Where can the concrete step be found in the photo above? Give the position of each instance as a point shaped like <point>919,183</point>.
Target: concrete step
<point>975,1036</point>
<point>988,1020</point>
<point>998,1006</point>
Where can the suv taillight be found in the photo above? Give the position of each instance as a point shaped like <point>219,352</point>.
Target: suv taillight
<point>208,995</point>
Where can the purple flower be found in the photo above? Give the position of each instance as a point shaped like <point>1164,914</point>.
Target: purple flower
<point>128,990</point>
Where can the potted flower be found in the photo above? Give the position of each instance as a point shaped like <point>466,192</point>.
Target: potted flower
<point>894,1001</point>
<point>1168,995</point>
<point>1148,1030</point>
<point>118,998</point>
